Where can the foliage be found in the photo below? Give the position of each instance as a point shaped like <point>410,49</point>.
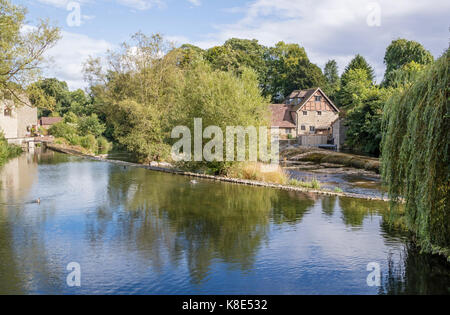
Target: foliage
<point>355,86</point>
<point>89,142</point>
<point>359,62</point>
<point>415,155</point>
<point>333,81</point>
<point>314,184</point>
<point>52,97</point>
<point>364,121</point>
<point>289,70</point>
<point>7,151</point>
<point>220,99</point>
<point>401,52</point>
<point>90,125</point>
<point>62,130</point>
<point>21,49</point>
<point>136,93</point>
<point>254,171</point>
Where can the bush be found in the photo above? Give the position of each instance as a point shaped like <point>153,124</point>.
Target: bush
<point>89,142</point>
<point>7,151</point>
<point>103,145</point>
<point>91,125</point>
<point>258,172</point>
<point>62,130</point>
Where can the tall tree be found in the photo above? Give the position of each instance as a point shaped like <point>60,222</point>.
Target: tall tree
<point>359,62</point>
<point>333,82</point>
<point>21,48</point>
<point>236,53</point>
<point>416,155</point>
<point>401,52</point>
<point>290,69</point>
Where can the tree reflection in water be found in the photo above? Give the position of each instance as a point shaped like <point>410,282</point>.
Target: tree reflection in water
<point>167,215</point>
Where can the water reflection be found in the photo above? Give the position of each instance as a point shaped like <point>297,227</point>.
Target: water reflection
<point>136,231</point>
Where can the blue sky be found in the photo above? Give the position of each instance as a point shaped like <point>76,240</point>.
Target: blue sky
<point>328,29</point>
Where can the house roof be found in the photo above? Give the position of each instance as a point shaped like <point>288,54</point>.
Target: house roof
<point>282,116</point>
<point>306,96</point>
<point>50,120</point>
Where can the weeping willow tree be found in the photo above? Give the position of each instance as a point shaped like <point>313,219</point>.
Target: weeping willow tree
<point>415,155</point>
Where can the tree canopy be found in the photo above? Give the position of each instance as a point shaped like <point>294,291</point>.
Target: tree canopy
<point>402,52</point>
<point>21,48</point>
<point>416,155</point>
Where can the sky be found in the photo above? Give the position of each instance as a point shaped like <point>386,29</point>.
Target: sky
<point>327,29</point>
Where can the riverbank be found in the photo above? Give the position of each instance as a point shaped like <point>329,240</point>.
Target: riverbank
<point>164,168</point>
<point>8,151</point>
<point>298,156</point>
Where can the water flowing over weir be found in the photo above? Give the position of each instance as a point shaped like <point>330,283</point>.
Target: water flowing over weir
<point>133,230</point>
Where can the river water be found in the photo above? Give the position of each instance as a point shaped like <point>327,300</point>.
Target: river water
<point>134,231</point>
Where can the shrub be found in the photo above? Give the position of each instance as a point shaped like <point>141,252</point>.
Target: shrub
<point>103,145</point>
<point>89,142</point>
<point>257,171</point>
<point>62,130</point>
<point>314,184</point>
<point>91,125</point>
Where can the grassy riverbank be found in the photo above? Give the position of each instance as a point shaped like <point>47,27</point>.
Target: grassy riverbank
<point>8,151</point>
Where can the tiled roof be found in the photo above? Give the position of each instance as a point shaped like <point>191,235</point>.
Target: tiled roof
<point>282,116</point>
<point>49,120</point>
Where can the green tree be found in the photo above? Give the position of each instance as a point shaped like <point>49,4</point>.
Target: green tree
<point>333,81</point>
<point>52,96</point>
<point>355,85</point>
<point>290,69</point>
<point>90,125</point>
<point>416,155</point>
<point>364,121</point>
<point>21,49</point>
<point>136,92</point>
<point>401,52</point>
<point>221,99</point>
<point>359,62</point>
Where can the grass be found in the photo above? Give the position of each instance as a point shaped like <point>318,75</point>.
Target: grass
<point>259,172</point>
<point>314,184</point>
<point>338,190</point>
<point>8,151</point>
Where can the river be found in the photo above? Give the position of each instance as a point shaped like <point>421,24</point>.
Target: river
<point>135,231</point>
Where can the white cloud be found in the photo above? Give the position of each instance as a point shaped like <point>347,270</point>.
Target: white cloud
<point>69,55</point>
<point>148,4</point>
<point>338,30</point>
<point>195,2</point>
<point>61,3</point>
<point>141,4</point>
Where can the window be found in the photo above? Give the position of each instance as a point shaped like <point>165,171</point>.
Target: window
<point>312,128</point>
<point>305,113</point>
<point>319,113</point>
<point>318,98</point>
<point>303,127</point>
<point>288,131</point>
<point>290,101</point>
<point>7,111</point>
